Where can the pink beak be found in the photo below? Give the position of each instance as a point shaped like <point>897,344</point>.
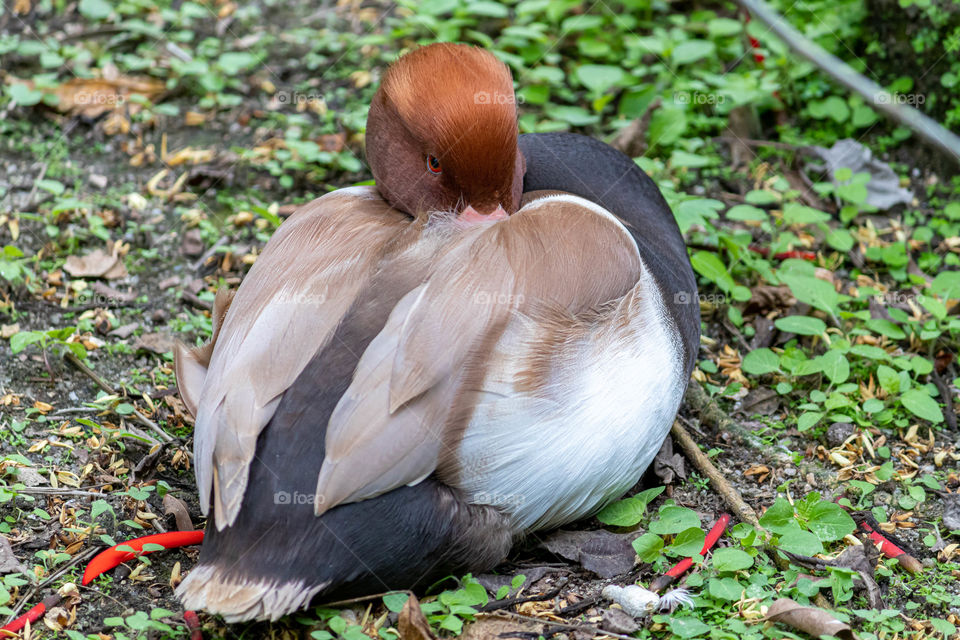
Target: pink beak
<point>473,216</point>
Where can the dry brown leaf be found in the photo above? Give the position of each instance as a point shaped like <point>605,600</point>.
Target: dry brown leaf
<point>98,264</point>
<point>815,622</point>
<point>159,343</point>
<point>412,624</point>
<point>176,506</point>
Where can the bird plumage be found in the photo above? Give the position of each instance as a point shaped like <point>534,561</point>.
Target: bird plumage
<point>392,395</point>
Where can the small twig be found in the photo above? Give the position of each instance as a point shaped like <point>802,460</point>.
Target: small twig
<point>195,301</point>
<point>36,185</point>
<point>136,415</point>
<point>497,605</point>
<point>51,491</point>
<point>730,496</point>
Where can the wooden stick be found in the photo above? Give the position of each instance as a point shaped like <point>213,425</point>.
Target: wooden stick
<point>136,415</point>
<point>730,496</point>
<point>873,94</point>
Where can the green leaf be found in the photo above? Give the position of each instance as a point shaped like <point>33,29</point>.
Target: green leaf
<point>599,77</point>
<point>833,107</point>
<point>233,62</point>
<point>886,327</point>
<point>802,325</point>
<point>731,559</point>
<point>746,212</point>
<point>835,366</point>
<point>692,50</point>
<point>725,589</point>
<point>711,267</point>
<point>779,517</point>
<point>24,95</point>
<point>921,405</point>
<point>20,341</point>
<point>395,601</point>
<point>944,627</point>
<point>674,519</point>
<point>630,511</point>
<point>688,627</point>
<point>760,361</point>
<point>808,420</point>
<point>840,239</point>
<point>720,27</point>
<point>94,9</point>
<point>946,285</point>
<point>812,290</point>
<point>888,378</point>
<point>688,542</point>
<point>799,541</point>
<point>830,522</point>
<point>794,213</point>
<point>576,116</point>
<point>648,547</point>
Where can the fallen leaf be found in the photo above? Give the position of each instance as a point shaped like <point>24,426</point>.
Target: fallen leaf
<point>125,331</point>
<point>602,552</point>
<point>8,561</point>
<point>669,465</point>
<point>98,264</point>
<point>412,624</point>
<point>158,343</point>
<point>7,330</point>
<point>191,245</point>
<point>176,506</point>
<point>815,622</point>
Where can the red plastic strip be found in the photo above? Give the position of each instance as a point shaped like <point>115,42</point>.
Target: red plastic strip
<point>678,569</point>
<point>31,616</point>
<point>887,548</point>
<point>112,557</point>
<point>193,623</point>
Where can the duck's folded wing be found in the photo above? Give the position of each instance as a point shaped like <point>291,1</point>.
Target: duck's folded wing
<point>414,384</point>
<point>287,308</point>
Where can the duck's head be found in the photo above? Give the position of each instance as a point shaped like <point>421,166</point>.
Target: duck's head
<point>442,134</point>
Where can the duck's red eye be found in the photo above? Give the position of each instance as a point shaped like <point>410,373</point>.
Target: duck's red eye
<point>433,164</point>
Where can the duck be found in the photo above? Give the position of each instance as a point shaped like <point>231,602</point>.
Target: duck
<point>492,340</point>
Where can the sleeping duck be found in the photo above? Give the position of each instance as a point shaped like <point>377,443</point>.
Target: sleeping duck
<point>493,340</point>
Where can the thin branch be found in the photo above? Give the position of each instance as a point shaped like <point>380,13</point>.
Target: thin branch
<point>876,96</point>
<point>730,495</point>
<point>136,415</point>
